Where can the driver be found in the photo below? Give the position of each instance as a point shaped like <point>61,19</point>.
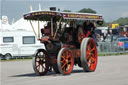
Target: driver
<point>89,30</point>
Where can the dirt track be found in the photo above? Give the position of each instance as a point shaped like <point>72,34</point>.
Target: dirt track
<point>111,70</point>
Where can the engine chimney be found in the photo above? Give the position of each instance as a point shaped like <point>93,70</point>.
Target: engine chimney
<point>53,8</point>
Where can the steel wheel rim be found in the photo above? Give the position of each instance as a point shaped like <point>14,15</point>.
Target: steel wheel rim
<point>91,55</point>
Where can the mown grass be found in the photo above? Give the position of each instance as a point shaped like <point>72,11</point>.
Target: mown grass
<point>30,58</point>
<point>16,59</point>
<point>111,54</point>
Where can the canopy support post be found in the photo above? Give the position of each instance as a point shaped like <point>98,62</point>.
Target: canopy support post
<point>33,29</point>
<point>52,26</point>
<point>57,27</point>
<point>38,29</point>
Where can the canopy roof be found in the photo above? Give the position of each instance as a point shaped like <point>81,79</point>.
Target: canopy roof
<point>47,15</point>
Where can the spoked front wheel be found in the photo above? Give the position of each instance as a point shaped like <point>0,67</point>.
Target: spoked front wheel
<point>65,61</point>
<point>40,62</point>
<point>88,54</point>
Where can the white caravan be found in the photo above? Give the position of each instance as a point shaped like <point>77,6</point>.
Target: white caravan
<point>18,43</point>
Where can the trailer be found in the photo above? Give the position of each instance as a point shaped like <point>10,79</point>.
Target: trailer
<point>18,43</point>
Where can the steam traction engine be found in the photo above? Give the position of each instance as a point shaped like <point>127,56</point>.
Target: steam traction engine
<point>66,44</point>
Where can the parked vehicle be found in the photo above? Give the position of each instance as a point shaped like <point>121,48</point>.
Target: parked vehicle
<point>18,43</point>
<point>123,43</point>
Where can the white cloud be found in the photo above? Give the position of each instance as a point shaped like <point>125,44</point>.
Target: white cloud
<point>125,14</point>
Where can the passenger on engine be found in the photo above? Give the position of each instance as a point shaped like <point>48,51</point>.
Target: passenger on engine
<point>46,31</point>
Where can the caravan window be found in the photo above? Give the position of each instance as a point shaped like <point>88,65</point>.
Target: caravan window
<point>28,40</point>
<point>8,39</point>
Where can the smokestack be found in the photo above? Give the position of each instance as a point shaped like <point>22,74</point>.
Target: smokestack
<point>53,8</point>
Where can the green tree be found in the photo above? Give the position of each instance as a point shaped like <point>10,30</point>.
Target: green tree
<point>87,10</point>
<point>122,21</point>
<point>66,10</point>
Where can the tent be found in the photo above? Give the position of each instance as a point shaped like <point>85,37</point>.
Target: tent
<point>22,24</point>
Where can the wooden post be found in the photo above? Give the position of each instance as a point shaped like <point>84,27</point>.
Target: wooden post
<point>33,29</point>
<point>51,26</point>
<point>57,27</point>
<point>38,29</point>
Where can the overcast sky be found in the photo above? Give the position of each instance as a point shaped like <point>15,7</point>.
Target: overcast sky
<point>110,9</point>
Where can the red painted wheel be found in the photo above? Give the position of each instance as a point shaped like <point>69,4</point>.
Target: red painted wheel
<point>88,54</point>
<point>65,61</point>
<point>41,62</point>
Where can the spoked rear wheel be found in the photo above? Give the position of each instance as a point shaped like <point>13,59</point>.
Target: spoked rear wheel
<point>65,61</point>
<point>40,62</point>
<point>88,54</point>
